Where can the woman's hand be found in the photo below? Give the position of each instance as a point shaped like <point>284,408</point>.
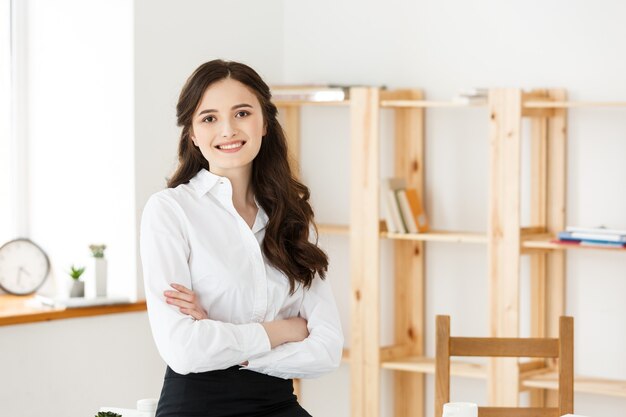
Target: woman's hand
<point>187,301</point>
<point>293,329</point>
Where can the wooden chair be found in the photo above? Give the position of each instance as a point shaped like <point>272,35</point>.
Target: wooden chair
<point>562,348</point>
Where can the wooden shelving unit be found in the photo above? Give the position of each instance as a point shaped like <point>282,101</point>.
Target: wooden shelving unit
<point>506,240</point>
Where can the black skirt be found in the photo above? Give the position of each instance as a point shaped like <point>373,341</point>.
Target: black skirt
<point>231,392</point>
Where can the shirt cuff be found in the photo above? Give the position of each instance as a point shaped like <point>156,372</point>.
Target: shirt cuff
<point>255,339</point>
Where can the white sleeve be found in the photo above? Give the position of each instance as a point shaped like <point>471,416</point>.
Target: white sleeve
<point>320,352</point>
<point>185,344</point>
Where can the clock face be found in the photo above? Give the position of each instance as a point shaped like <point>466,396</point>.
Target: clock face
<point>24,267</point>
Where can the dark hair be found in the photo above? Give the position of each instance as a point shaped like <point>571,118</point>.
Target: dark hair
<point>285,200</point>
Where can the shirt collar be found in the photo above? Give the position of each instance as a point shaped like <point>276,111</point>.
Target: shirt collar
<point>205,181</point>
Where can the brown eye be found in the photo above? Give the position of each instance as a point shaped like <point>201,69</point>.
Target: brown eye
<point>242,113</point>
<point>209,119</point>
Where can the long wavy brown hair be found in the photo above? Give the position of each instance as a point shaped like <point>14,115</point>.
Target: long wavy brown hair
<point>285,200</point>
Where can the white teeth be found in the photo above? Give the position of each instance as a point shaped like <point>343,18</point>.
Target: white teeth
<point>231,146</point>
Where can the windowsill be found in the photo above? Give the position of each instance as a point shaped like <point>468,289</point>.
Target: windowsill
<point>16,310</point>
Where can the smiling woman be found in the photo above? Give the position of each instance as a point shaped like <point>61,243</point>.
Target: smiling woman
<point>234,279</point>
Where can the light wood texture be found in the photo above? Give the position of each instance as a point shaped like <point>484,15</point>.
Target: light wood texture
<point>439,236</point>
<point>588,385</point>
<point>16,310</point>
<point>333,229</point>
<point>504,237</point>
<point>409,259</point>
<point>425,104</point>
<point>442,363</point>
<point>299,103</point>
<point>364,252</point>
<point>562,348</point>
<point>426,365</point>
<point>562,103</point>
<point>517,412</point>
<point>291,126</point>
<point>507,347</point>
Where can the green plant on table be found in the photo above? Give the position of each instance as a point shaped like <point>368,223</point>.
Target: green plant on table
<point>108,414</point>
<point>75,273</point>
<point>97,251</point>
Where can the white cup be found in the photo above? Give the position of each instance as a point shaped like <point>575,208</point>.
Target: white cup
<point>460,410</point>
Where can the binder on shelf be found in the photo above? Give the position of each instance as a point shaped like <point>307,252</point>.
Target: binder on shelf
<point>393,217</point>
<point>404,208</point>
<point>417,208</point>
<point>407,213</point>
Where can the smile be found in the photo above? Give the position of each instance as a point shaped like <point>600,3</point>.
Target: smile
<point>231,147</point>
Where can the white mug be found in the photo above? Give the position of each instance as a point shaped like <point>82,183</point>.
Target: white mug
<point>460,410</point>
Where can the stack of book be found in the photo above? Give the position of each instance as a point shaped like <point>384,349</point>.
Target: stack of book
<point>596,236</point>
<point>472,96</point>
<point>404,211</point>
<point>317,93</point>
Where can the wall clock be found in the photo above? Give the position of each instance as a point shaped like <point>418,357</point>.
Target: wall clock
<point>24,266</point>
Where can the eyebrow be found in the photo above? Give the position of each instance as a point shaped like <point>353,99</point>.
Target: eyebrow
<point>235,107</point>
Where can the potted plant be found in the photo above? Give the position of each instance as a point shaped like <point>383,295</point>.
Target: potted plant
<point>78,286</point>
<point>97,280</point>
<point>108,414</point>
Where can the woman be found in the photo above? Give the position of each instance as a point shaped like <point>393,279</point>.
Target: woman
<point>234,280</point>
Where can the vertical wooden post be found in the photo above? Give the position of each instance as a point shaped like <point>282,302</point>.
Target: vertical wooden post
<point>409,259</point>
<point>442,364</point>
<point>291,125</point>
<point>505,106</point>
<point>365,252</point>
<point>290,121</point>
<point>538,218</point>
<point>557,187</point>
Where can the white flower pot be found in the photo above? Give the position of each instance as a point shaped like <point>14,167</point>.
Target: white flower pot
<point>77,289</point>
<point>96,278</point>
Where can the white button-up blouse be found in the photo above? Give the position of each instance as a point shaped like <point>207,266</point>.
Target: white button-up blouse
<point>192,235</point>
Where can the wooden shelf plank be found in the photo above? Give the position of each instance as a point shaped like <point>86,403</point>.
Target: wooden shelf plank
<point>549,104</point>
<point>298,103</point>
<point>426,103</point>
<point>439,236</point>
<point>17,310</point>
<point>583,384</point>
<point>545,241</point>
<point>426,365</point>
<point>334,229</point>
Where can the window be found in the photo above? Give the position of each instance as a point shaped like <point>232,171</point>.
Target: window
<point>10,219</point>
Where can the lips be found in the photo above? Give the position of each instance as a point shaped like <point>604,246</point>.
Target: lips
<point>231,145</point>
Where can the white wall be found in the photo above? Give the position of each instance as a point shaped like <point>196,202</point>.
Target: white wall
<point>440,46</point>
<point>73,367</point>
<point>79,135</point>
<point>171,40</point>
<point>443,46</point>
<point>102,82</point>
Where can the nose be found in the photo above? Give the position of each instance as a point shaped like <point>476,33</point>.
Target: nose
<point>228,130</point>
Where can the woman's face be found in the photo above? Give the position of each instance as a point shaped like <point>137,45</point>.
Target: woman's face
<point>228,127</point>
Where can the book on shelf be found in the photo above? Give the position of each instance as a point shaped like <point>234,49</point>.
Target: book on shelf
<point>600,229</point>
<point>404,209</point>
<point>471,96</point>
<point>393,217</point>
<point>597,235</point>
<point>317,93</point>
<point>602,244</point>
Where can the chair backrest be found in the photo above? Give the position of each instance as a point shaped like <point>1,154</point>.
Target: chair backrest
<point>561,348</point>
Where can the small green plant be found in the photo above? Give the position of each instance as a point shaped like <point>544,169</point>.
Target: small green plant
<point>108,414</point>
<point>75,273</point>
<point>97,250</point>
